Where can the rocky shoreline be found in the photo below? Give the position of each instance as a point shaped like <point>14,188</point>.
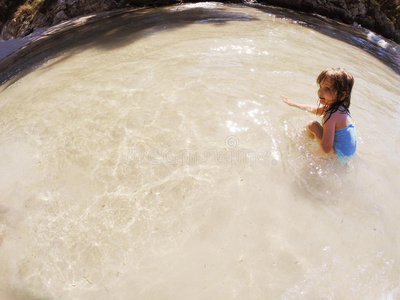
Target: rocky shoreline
<point>20,53</point>
<point>20,18</point>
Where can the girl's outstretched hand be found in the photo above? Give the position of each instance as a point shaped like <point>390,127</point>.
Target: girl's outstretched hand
<point>309,108</point>
<point>287,100</point>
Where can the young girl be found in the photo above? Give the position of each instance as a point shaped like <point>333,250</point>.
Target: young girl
<point>337,133</point>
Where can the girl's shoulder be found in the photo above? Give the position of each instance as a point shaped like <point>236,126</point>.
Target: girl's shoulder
<point>342,118</point>
<point>341,112</point>
<point>336,116</point>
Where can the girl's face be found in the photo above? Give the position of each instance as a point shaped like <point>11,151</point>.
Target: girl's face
<point>326,94</point>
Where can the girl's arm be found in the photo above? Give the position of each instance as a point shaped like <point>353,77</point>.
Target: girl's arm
<point>310,108</point>
<point>328,134</point>
<point>324,134</point>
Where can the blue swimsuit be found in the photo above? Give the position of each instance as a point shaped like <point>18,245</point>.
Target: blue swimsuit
<point>345,142</point>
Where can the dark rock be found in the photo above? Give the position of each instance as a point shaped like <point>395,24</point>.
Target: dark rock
<point>41,19</point>
<point>309,5</point>
<point>10,29</point>
<point>59,17</point>
<point>358,10</point>
<point>292,4</point>
<point>367,21</point>
<point>339,3</point>
<point>382,24</point>
<point>382,17</point>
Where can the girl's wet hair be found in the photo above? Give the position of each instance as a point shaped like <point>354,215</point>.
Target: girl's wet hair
<point>342,83</point>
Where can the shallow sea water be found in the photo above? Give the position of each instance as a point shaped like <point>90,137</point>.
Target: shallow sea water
<point>159,162</point>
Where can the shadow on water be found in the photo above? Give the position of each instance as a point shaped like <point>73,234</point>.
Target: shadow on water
<point>386,51</point>
<point>109,31</point>
<point>119,28</point>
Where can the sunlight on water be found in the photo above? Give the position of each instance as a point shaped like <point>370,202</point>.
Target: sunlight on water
<point>158,162</point>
